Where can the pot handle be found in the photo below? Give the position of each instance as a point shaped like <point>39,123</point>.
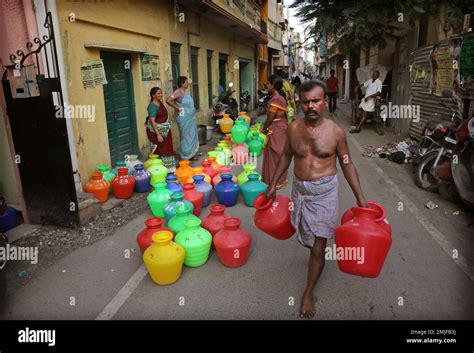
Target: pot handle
<point>261,202</point>
<point>362,211</point>
<point>376,206</point>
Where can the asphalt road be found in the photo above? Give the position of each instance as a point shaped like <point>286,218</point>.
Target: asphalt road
<point>420,279</point>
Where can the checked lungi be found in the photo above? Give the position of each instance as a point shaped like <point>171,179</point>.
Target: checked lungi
<point>315,211</point>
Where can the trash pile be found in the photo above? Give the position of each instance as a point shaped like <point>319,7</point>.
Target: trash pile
<point>401,152</point>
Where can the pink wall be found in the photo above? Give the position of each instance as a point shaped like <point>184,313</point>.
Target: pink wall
<point>17,25</point>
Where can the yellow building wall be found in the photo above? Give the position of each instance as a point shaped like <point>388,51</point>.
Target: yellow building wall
<point>205,35</point>
<point>102,23</point>
<point>149,27</point>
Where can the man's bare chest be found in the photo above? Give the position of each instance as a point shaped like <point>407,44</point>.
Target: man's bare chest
<point>317,145</point>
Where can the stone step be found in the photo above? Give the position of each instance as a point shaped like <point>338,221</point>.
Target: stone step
<point>89,207</point>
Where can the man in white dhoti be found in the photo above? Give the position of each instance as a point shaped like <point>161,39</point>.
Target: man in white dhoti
<point>374,88</point>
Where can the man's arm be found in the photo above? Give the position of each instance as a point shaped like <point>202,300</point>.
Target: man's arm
<point>359,86</point>
<point>283,165</point>
<point>372,96</point>
<point>348,168</point>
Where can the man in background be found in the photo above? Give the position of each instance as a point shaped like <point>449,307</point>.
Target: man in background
<point>333,86</point>
<point>374,89</point>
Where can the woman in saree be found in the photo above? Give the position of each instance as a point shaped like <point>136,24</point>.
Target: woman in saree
<point>183,105</point>
<point>159,130</point>
<point>275,126</point>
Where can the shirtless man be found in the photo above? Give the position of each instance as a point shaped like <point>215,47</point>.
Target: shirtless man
<point>315,142</point>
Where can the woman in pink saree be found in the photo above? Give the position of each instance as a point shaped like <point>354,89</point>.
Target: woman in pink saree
<point>275,126</point>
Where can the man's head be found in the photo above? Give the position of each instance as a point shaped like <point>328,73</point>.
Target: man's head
<point>332,72</point>
<point>284,74</point>
<point>375,75</point>
<point>313,100</point>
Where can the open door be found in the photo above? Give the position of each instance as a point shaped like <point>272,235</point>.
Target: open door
<point>33,100</point>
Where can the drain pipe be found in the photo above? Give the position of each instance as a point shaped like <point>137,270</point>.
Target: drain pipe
<point>51,6</point>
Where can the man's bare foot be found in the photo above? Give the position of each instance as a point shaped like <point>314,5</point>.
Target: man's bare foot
<point>307,309</point>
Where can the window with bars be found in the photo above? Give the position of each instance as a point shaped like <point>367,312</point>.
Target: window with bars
<point>175,50</point>
<point>222,71</point>
<point>195,76</point>
<point>209,77</point>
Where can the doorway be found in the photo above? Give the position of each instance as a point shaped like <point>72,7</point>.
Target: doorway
<point>34,100</point>
<point>245,79</point>
<point>119,106</point>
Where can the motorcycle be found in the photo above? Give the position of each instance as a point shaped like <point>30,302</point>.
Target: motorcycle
<point>263,98</point>
<point>225,104</point>
<point>462,164</point>
<point>244,101</point>
<point>435,153</point>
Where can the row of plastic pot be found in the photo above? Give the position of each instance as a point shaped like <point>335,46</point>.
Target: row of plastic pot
<point>168,196</point>
<point>126,178</point>
<point>164,256</point>
<point>271,216</point>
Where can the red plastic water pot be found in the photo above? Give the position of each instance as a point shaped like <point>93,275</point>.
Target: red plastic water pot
<point>123,184</point>
<point>209,170</point>
<point>193,196</point>
<point>153,225</point>
<point>363,235</point>
<point>214,222</point>
<point>381,218</point>
<point>273,218</point>
<point>233,243</point>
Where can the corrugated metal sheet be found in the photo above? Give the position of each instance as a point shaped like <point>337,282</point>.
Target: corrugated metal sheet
<point>430,109</point>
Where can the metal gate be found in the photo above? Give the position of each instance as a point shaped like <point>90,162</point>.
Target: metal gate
<point>33,102</point>
<point>430,109</point>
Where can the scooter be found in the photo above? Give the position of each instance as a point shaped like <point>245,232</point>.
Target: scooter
<point>225,104</point>
<point>263,98</point>
<point>244,101</point>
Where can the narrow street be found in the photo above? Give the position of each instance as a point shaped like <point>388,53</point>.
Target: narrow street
<point>420,278</point>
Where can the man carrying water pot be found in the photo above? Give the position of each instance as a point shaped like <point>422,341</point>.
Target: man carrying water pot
<point>315,142</point>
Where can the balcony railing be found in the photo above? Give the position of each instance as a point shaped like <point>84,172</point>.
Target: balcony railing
<point>251,11</point>
<point>274,30</point>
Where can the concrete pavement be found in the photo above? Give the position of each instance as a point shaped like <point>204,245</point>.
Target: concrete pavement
<point>419,280</point>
